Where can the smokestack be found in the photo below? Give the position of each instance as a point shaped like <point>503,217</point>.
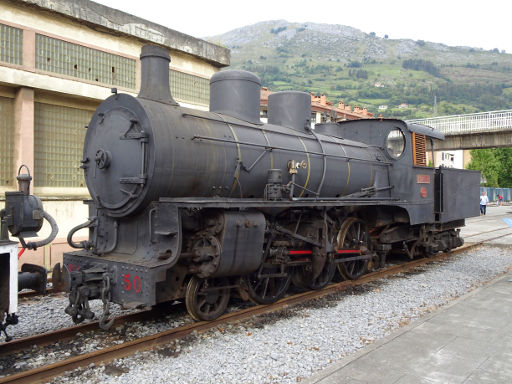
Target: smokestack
<point>154,83</point>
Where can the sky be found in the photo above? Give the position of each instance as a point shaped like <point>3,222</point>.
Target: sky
<point>478,24</point>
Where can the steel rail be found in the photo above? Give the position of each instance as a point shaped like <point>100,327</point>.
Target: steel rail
<point>106,355</point>
<point>483,233</point>
<point>28,294</point>
<point>18,345</point>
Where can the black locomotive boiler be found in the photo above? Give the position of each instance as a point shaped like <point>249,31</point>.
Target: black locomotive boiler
<point>198,205</point>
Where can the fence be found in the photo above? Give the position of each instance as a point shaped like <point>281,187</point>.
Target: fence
<point>493,193</point>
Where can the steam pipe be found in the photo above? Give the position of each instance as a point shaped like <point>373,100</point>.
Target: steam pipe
<point>48,240</point>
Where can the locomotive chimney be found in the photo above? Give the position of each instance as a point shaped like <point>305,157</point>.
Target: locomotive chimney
<point>154,83</point>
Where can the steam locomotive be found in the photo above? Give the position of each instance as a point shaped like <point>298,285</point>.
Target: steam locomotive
<point>197,205</point>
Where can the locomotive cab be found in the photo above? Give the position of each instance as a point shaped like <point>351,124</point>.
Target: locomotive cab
<point>404,146</point>
<point>425,215</point>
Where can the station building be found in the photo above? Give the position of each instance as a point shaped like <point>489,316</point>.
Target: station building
<point>58,60</point>
<point>322,110</point>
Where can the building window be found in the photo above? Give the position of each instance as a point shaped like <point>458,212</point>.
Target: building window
<point>59,139</point>
<point>58,56</point>
<point>6,142</point>
<point>189,88</point>
<point>11,45</point>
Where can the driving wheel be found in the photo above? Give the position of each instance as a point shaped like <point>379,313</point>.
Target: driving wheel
<point>268,284</point>
<point>353,241</point>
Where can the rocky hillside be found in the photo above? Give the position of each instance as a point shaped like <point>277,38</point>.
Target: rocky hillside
<point>371,71</point>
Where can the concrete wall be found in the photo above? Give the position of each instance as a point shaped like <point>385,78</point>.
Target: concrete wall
<point>63,28</point>
<point>102,18</point>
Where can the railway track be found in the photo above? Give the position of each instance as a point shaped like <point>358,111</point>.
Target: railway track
<point>50,291</point>
<point>485,232</point>
<point>29,294</point>
<point>41,340</point>
<point>108,354</point>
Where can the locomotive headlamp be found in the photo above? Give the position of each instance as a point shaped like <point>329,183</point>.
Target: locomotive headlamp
<point>24,213</point>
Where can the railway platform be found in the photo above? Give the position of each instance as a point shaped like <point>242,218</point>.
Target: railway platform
<point>468,341</point>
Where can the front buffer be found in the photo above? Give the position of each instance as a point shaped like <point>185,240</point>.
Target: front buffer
<point>89,278</point>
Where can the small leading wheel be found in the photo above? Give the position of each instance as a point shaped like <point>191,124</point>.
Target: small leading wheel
<point>353,240</point>
<point>268,284</point>
<point>206,299</point>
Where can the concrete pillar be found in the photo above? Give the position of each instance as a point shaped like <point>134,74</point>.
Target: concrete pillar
<point>466,158</point>
<point>137,75</point>
<point>29,50</point>
<point>24,130</point>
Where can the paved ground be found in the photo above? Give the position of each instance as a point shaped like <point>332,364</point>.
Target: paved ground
<point>469,341</point>
<point>493,224</point>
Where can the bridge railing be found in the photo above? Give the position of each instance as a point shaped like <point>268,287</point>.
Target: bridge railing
<point>470,123</point>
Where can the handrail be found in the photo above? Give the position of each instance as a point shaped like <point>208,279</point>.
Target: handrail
<point>470,123</point>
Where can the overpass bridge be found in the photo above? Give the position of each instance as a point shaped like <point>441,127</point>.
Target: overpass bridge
<point>475,130</point>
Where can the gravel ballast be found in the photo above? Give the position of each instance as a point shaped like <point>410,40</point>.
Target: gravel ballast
<point>292,344</point>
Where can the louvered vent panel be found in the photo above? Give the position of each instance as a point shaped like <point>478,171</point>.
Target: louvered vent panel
<point>420,149</point>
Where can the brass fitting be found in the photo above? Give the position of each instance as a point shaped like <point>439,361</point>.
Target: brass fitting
<point>293,166</point>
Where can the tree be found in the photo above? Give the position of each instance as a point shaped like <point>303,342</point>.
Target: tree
<point>421,65</point>
<point>495,165</point>
<point>504,156</point>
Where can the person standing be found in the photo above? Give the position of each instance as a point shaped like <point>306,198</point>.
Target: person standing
<point>483,203</point>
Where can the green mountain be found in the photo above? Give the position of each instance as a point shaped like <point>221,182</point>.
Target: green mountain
<point>371,71</point>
